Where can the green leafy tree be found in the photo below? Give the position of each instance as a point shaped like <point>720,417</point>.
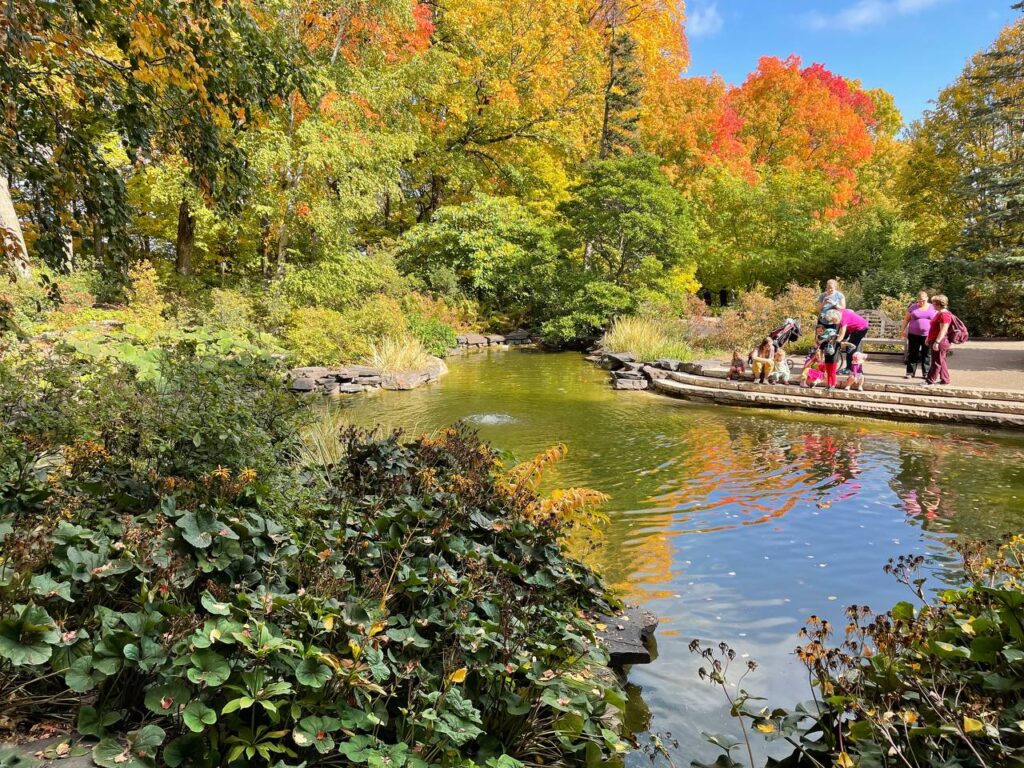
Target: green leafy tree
<point>630,222</point>
<point>498,251</point>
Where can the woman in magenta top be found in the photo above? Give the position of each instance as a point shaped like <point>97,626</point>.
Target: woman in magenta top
<point>938,340</point>
<point>852,328</point>
<point>916,324</point>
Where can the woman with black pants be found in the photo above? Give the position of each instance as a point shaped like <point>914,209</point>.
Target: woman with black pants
<point>916,324</point>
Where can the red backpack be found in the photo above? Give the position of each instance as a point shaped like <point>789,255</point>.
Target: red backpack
<point>957,331</point>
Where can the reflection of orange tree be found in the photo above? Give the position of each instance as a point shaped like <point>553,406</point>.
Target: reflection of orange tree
<point>759,473</point>
<point>763,474</point>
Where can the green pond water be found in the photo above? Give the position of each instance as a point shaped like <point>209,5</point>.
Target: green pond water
<point>730,524</point>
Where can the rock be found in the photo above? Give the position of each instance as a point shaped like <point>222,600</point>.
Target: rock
<point>495,338</point>
<point>627,635</point>
<point>654,373</point>
<point>362,370</point>
<point>368,381</point>
<point>350,389</point>
<point>331,388</point>
<point>593,358</point>
<point>311,372</point>
<point>326,381</point>
<point>461,340</point>
<point>615,360</point>
<point>404,380</point>
<point>668,364</point>
<point>63,751</point>
<point>517,337</point>
<point>302,384</point>
<point>436,370</point>
<point>632,366</point>
<point>630,384</point>
<point>475,340</point>
<point>625,374</point>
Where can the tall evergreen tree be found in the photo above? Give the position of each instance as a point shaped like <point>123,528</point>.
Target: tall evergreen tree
<point>622,95</point>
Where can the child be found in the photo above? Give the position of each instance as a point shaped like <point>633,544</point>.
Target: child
<point>737,368</point>
<point>780,374</point>
<point>830,349</point>
<point>811,373</point>
<point>763,359</point>
<point>855,380</point>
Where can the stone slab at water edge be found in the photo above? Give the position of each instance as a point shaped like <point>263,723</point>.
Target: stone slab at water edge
<point>627,636</point>
<point>356,379</point>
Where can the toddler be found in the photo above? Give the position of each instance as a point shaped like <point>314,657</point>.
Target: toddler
<point>856,378</point>
<point>780,374</point>
<point>738,368</point>
<point>812,372</point>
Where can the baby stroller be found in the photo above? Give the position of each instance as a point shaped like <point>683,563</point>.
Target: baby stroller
<point>785,333</point>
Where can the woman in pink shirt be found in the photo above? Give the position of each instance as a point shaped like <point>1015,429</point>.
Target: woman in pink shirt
<point>916,324</point>
<point>852,328</point>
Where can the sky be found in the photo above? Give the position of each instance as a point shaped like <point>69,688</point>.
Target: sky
<point>911,48</point>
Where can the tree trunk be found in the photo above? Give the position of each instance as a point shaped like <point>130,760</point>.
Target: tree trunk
<point>186,239</point>
<point>12,230</point>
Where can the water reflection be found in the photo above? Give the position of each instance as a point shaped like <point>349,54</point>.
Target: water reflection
<point>730,524</point>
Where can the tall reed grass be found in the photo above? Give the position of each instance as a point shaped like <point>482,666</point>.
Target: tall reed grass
<point>646,338</point>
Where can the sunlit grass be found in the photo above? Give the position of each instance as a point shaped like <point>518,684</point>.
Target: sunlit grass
<point>646,339</point>
<point>399,353</point>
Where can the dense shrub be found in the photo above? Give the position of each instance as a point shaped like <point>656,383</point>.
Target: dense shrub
<point>758,313</point>
<point>435,335</point>
<point>320,336</point>
<point>175,585</point>
<point>341,281</point>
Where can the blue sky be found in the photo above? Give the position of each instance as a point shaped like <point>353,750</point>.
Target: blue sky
<point>912,48</point>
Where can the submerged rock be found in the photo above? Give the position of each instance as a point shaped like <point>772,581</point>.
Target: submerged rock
<point>640,383</point>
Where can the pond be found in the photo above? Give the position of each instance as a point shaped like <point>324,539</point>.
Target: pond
<point>731,525</point>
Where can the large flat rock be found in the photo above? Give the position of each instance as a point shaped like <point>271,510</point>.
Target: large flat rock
<point>627,635</point>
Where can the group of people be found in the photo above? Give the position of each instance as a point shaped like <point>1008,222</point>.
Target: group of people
<point>840,333</point>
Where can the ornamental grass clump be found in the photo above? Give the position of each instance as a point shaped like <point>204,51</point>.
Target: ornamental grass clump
<point>396,354</point>
<point>645,338</point>
<point>177,585</point>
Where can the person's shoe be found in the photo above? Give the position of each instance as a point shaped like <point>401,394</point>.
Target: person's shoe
<point>908,376</point>
<point>844,371</point>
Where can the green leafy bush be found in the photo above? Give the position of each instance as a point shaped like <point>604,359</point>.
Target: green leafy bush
<point>587,312</point>
<point>173,582</point>
<point>341,281</point>
<point>435,335</point>
<point>317,336</point>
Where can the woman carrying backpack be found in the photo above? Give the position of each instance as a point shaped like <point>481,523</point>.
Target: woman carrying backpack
<point>939,340</point>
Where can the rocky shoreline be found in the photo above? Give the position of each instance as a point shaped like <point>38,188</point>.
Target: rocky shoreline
<point>358,379</point>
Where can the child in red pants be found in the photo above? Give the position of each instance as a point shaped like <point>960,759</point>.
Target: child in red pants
<point>829,352</point>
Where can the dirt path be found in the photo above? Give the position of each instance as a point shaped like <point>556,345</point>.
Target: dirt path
<point>983,364</point>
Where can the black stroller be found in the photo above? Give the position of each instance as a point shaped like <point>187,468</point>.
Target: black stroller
<point>785,333</point>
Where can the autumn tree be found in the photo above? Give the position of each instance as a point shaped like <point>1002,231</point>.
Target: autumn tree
<point>87,84</point>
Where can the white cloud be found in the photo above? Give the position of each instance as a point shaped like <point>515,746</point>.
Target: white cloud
<point>704,21</point>
<point>865,13</point>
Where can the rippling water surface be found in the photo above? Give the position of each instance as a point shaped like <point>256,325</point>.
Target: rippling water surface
<point>730,524</point>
